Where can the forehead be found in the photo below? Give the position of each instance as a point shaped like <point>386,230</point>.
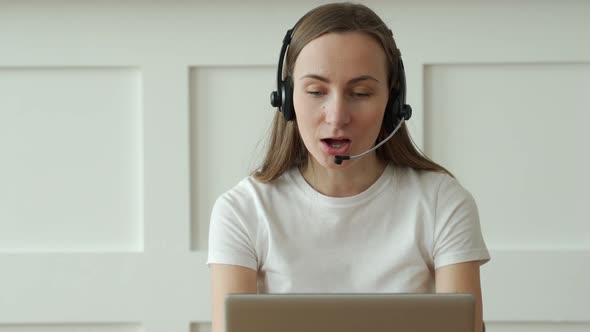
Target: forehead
<point>342,55</point>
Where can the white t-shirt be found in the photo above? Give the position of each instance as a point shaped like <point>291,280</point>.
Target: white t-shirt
<point>388,239</point>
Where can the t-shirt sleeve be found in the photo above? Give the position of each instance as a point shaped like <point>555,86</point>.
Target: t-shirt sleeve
<point>457,231</point>
<point>230,241</point>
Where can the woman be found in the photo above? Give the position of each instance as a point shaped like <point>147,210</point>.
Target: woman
<point>390,221</point>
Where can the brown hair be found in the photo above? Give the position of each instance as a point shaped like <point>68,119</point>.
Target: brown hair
<point>286,148</point>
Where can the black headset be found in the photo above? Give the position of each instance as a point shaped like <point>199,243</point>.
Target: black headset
<point>395,110</point>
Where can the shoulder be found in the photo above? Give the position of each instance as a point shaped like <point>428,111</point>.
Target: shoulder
<point>450,202</point>
<point>441,192</point>
<point>250,193</point>
<point>429,182</point>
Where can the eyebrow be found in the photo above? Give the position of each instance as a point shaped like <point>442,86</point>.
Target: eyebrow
<point>354,80</point>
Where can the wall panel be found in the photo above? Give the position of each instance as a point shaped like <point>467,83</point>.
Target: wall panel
<point>231,116</point>
<point>537,327</point>
<point>516,136</point>
<point>88,327</point>
<point>71,159</point>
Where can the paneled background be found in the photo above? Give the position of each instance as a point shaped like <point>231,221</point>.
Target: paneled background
<point>121,122</point>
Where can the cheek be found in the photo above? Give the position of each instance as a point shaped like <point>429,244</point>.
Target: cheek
<point>370,123</point>
<point>305,124</point>
<point>306,113</point>
<point>301,103</point>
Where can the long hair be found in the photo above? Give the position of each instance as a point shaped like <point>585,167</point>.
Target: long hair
<point>285,147</point>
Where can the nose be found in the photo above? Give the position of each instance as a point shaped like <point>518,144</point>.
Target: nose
<point>336,111</point>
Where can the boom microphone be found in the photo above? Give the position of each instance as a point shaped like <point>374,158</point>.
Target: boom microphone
<point>339,159</point>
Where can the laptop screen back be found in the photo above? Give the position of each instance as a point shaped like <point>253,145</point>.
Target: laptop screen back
<point>349,312</point>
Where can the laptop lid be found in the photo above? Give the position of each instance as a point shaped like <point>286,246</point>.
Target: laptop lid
<point>349,312</point>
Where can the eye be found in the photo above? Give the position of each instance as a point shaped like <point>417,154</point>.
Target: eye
<point>314,93</point>
<point>361,95</point>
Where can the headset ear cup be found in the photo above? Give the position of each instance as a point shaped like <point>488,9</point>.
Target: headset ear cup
<point>407,113</point>
<point>390,116</point>
<point>287,108</point>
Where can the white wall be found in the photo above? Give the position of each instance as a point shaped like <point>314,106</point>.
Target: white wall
<point>120,122</point>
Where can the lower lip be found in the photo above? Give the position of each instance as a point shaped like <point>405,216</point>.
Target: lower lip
<point>342,150</point>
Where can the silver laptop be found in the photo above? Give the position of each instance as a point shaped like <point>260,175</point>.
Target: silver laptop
<point>349,313</point>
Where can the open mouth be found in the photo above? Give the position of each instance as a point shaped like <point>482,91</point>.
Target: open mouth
<point>336,146</point>
<point>336,143</point>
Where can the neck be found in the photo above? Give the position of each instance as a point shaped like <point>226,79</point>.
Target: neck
<point>357,177</point>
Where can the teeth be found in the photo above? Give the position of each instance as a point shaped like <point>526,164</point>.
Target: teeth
<point>336,145</point>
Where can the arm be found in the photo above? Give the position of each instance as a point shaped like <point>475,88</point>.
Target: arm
<point>228,279</point>
<point>462,278</point>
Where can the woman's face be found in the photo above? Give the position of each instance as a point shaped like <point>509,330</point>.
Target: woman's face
<point>340,94</point>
